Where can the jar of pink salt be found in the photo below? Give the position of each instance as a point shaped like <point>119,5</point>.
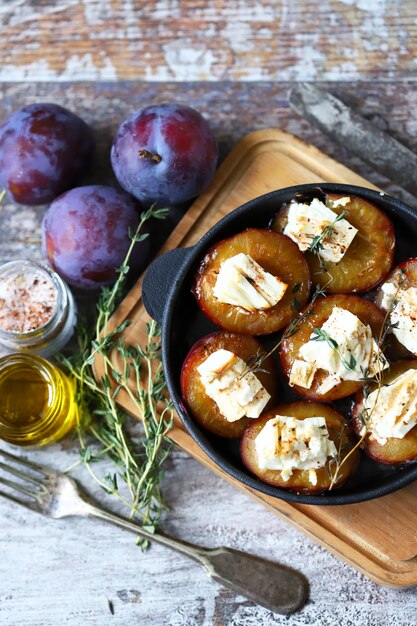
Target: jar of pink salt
<point>37,309</point>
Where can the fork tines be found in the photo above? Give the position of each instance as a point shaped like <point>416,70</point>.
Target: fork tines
<point>19,468</point>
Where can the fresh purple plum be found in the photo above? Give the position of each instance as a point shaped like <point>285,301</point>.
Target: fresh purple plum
<point>44,148</point>
<point>86,235</point>
<point>164,154</point>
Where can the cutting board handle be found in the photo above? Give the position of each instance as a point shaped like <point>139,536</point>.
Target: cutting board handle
<point>158,280</point>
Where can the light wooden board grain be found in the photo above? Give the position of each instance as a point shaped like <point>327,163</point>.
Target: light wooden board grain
<point>64,572</point>
<point>164,40</point>
<point>262,161</point>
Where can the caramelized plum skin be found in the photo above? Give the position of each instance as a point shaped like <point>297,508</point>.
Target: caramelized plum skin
<point>366,311</point>
<point>85,235</point>
<point>408,272</point>
<point>203,408</point>
<point>43,149</point>
<point>299,481</point>
<point>184,153</point>
<point>394,451</point>
<point>369,256</point>
<point>278,255</point>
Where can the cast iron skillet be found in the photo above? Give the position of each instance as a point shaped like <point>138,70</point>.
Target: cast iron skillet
<point>168,299</point>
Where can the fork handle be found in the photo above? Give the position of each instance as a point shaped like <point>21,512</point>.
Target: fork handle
<point>195,552</point>
<point>272,585</point>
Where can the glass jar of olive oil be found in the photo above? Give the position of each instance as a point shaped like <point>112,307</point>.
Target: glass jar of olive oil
<point>37,404</point>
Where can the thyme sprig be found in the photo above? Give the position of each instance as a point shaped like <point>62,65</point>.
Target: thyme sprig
<point>102,424</point>
<point>365,414</point>
<point>321,335</point>
<point>255,362</point>
<point>317,243</point>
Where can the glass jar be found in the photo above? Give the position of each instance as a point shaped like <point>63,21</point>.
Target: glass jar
<point>37,403</point>
<point>37,309</point>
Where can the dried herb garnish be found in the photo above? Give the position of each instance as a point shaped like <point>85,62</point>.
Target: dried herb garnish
<point>101,427</point>
<point>255,362</point>
<point>365,415</point>
<point>321,335</point>
<point>317,243</point>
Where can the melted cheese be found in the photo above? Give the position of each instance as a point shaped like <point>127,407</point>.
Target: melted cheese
<point>236,391</point>
<point>393,411</point>
<point>355,345</point>
<point>403,314</point>
<point>306,221</point>
<point>241,281</point>
<point>286,443</point>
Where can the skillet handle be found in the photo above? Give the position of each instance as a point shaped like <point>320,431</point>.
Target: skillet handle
<point>158,280</point>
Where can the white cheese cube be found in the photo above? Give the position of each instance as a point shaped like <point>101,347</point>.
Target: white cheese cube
<point>356,353</point>
<point>403,315</point>
<point>236,390</point>
<point>302,374</point>
<point>286,443</point>
<point>327,384</point>
<point>306,221</point>
<point>393,410</point>
<point>341,202</point>
<point>241,281</point>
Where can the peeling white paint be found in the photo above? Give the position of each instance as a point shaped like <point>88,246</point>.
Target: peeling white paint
<point>80,66</point>
<point>16,73</point>
<point>187,61</point>
<point>310,63</point>
<point>377,7</point>
<point>240,36</point>
<point>76,68</point>
<point>18,12</point>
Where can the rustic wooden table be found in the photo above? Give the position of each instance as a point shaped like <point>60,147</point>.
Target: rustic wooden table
<point>103,59</point>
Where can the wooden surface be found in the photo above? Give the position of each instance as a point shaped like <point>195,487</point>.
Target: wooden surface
<point>65,572</point>
<point>208,40</point>
<point>260,162</point>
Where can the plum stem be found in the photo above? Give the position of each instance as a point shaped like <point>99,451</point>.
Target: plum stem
<point>145,154</point>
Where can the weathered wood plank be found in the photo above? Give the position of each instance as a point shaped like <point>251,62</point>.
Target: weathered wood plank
<point>167,40</point>
<point>233,109</point>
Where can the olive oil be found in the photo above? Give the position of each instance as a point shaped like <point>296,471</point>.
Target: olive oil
<point>37,404</point>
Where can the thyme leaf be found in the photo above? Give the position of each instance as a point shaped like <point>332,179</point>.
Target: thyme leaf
<point>318,241</point>
<point>102,424</point>
<point>322,335</point>
<point>255,362</point>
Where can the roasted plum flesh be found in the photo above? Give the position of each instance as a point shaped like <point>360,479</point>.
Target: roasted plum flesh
<point>403,276</point>
<point>320,311</point>
<point>276,254</point>
<point>165,154</point>
<point>395,451</point>
<point>368,258</point>
<point>44,148</point>
<point>86,235</point>
<point>201,406</point>
<point>299,481</point>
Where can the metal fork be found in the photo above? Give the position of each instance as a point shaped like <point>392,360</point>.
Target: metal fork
<point>276,587</point>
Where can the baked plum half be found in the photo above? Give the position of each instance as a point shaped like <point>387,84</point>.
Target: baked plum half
<point>277,255</point>
<point>394,451</point>
<point>316,315</point>
<point>204,408</point>
<point>368,257</point>
<point>397,297</point>
<point>299,481</point>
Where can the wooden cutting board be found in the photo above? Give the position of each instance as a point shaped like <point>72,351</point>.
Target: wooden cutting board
<point>379,537</point>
